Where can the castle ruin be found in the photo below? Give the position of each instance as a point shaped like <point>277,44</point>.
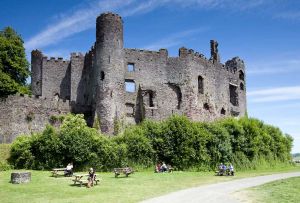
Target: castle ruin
<point>116,84</point>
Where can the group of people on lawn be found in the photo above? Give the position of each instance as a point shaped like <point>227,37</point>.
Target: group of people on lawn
<point>226,170</point>
<point>162,167</point>
<point>91,176</point>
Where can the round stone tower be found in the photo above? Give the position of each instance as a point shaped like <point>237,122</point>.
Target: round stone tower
<point>110,100</point>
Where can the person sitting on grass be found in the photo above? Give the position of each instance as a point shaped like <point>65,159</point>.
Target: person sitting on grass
<point>170,168</point>
<point>157,168</point>
<point>91,178</point>
<point>69,169</point>
<point>221,169</point>
<point>224,169</point>
<point>163,167</point>
<point>231,170</point>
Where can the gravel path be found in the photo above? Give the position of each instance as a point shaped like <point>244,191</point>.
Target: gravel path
<point>220,192</point>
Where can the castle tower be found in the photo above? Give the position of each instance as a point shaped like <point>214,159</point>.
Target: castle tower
<point>110,70</point>
<point>36,69</point>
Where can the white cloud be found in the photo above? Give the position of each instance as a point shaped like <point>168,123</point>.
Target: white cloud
<point>174,39</point>
<point>84,18</point>
<point>274,94</point>
<point>79,21</point>
<point>291,15</point>
<point>274,67</point>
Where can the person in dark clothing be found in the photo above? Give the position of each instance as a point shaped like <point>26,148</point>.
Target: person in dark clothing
<point>91,178</point>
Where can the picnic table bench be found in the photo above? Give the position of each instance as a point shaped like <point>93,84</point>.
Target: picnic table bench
<point>55,171</point>
<point>78,179</point>
<point>127,171</point>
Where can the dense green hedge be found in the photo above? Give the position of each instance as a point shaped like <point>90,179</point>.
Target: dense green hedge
<point>247,143</point>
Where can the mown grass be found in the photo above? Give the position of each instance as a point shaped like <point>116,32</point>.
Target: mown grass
<point>139,186</point>
<point>281,191</point>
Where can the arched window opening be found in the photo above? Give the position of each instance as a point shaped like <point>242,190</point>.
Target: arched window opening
<point>241,75</point>
<point>223,111</point>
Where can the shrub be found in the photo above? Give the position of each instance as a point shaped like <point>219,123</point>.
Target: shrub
<point>219,144</point>
<point>139,148</point>
<point>46,147</point>
<point>20,154</point>
<point>247,143</point>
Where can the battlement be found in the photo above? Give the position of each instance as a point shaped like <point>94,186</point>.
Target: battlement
<point>40,99</point>
<point>109,14</point>
<point>54,59</point>
<point>77,55</point>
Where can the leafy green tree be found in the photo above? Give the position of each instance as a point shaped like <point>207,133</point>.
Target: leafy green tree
<point>14,68</point>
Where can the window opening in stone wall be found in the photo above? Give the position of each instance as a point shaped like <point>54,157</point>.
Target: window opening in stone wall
<point>130,67</point>
<point>129,109</point>
<point>235,113</point>
<point>129,86</point>
<point>206,106</point>
<point>241,75</point>
<point>102,75</point>
<point>242,86</point>
<point>233,95</point>
<point>177,90</point>
<point>200,85</point>
<point>151,99</point>
<point>223,111</point>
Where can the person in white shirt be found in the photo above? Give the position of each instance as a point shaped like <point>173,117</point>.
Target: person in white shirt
<point>69,169</point>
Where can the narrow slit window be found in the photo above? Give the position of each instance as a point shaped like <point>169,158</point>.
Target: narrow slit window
<point>233,95</point>
<point>242,86</point>
<point>129,86</point>
<point>241,75</point>
<point>151,99</point>
<point>102,75</point>
<point>200,85</point>
<point>130,67</point>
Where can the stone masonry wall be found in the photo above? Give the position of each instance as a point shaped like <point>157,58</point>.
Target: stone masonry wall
<point>23,115</point>
<point>174,86</point>
<point>56,78</point>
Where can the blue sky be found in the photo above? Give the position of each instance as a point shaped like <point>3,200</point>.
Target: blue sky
<point>264,33</point>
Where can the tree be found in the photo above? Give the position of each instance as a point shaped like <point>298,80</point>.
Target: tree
<point>14,68</point>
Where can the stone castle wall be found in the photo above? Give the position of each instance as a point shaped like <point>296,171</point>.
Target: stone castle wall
<point>121,84</point>
<point>170,85</point>
<point>24,115</point>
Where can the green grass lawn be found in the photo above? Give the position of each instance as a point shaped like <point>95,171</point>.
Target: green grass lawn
<point>281,191</point>
<point>138,186</point>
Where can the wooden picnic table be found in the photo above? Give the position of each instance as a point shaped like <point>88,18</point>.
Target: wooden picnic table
<point>55,171</point>
<point>127,171</point>
<point>78,179</point>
